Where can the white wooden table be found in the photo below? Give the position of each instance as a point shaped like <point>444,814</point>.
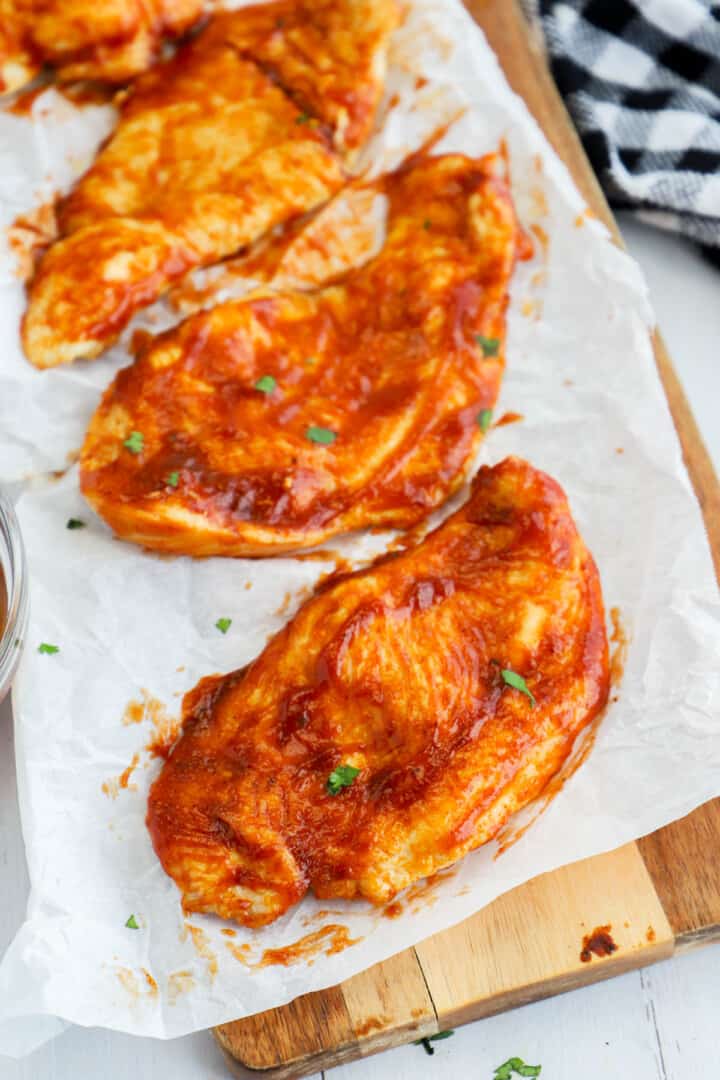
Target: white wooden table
<point>658,1024</point>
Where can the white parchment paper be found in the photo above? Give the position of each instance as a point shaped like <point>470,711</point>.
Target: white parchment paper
<point>580,371</point>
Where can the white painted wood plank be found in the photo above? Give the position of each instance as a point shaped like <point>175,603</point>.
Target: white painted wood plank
<point>683,999</point>
<point>82,1054</point>
<point>597,1033</point>
<point>657,1024</point>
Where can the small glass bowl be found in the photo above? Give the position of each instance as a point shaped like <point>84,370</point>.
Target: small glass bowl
<point>13,594</point>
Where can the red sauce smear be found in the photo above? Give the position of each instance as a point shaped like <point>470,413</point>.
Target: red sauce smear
<point>81,93</point>
<point>166,730</point>
<point>508,418</point>
<point>23,103</point>
<point>328,940</point>
<point>166,727</point>
<point>115,785</point>
<point>29,236</point>
<point>599,943</point>
<point>620,642</point>
<point>373,1023</point>
<point>542,238</point>
<point>393,911</point>
<point>318,916</point>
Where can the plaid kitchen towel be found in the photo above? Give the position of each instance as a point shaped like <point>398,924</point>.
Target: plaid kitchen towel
<point>641,79</point>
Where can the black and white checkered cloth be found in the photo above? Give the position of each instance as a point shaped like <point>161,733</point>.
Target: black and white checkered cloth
<point>641,79</point>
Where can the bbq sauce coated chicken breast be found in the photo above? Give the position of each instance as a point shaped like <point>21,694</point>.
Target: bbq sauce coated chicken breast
<point>110,41</point>
<point>272,423</point>
<point>398,720</point>
<point>331,55</point>
<point>213,149</point>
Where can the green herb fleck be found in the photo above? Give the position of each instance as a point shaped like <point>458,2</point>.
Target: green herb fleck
<point>320,435</point>
<point>132,923</point>
<point>48,650</point>
<point>427,223</point>
<point>172,479</point>
<point>266,384</point>
<point>341,776</point>
<point>427,1042</point>
<point>135,442</point>
<point>303,118</point>
<point>518,683</point>
<point>75,523</point>
<point>489,345</point>
<point>484,419</point>
<point>223,625</point>
<point>517,1066</point>
<point>311,360</point>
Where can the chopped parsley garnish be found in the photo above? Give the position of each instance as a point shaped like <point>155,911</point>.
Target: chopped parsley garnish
<point>489,345</point>
<point>320,435</point>
<point>266,384</point>
<point>172,479</point>
<point>517,1067</point>
<point>427,1042</point>
<point>484,419</point>
<point>135,442</point>
<point>223,625</point>
<point>75,523</point>
<point>427,223</point>
<point>48,650</point>
<point>341,776</point>
<point>132,923</point>
<point>517,682</point>
<point>303,118</point>
<point>311,360</point>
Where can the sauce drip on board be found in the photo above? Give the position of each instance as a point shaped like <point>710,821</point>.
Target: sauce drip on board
<point>599,943</point>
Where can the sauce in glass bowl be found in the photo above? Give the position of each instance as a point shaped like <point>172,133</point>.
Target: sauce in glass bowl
<point>13,593</point>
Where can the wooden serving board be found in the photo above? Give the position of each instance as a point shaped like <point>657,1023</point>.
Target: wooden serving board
<point>659,895</point>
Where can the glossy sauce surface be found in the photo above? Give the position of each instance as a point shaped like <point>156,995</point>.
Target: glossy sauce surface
<point>109,41</point>
<point>324,53</point>
<point>386,365</point>
<point>212,150</point>
<point>396,671</point>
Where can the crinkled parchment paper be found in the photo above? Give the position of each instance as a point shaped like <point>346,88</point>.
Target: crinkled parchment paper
<point>135,627</point>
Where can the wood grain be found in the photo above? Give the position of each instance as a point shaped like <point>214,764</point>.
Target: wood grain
<point>683,861</point>
<point>383,1007</point>
<point>661,892</point>
<point>527,944</point>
